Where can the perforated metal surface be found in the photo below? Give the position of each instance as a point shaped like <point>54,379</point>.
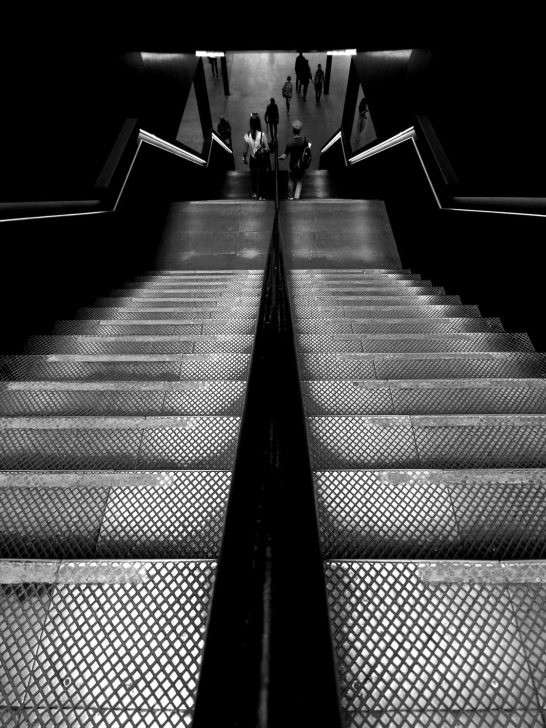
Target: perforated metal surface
<point>130,644</point>
<point>186,294</point>
<point>356,284</point>
<point>415,342</point>
<point>349,292</point>
<point>441,397</point>
<point>393,514</point>
<point>406,644</point>
<point>147,325</point>
<point>360,301</point>
<point>118,444</point>
<point>137,345</point>
<point>431,442</point>
<point>421,366</point>
<point>167,312</point>
<point>225,305</point>
<point>177,514</point>
<point>393,326</point>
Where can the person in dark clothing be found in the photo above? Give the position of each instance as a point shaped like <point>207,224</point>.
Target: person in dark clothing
<point>214,66</point>
<point>319,83</point>
<point>300,70</point>
<point>224,131</point>
<point>361,123</point>
<point>271,118</point>
<point>254,140</point>
<point>305,78</point>
<point>294,150</point>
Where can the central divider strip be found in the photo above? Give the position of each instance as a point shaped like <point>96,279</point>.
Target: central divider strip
<point>268,657</point>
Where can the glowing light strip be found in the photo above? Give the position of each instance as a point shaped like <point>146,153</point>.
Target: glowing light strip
<point>210,54</point>
<point>145,136</point>
<point>221,143</point>
<point>50,217</point>
<point>332,141</point>
<point>346,52</point>
<point>391,142</point>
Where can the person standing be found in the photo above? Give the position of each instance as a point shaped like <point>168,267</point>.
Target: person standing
<point>224,131</point>
<point>255,141</point>
<point>287,92</point>
<point>319,83</point>
<point>361,122</point>
<point>294,149</point>
<point>214,65</point>
<point>306,77</point>
<point>300,69</point>
<point>271,118</point>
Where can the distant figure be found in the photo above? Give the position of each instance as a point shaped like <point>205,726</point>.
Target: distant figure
<point>319,83</point>
<point>287,92</point>
<point>295,148</point>
<point>300,70</point>
<point>361,122</point>
<point>305,78</point>
<point>257,149</point>
<point>271,118</point>
<point>224,131</point>
<point>214,66</point>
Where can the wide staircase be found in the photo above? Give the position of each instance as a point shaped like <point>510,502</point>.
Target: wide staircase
<point>118,436</point>
<point>427,428</point>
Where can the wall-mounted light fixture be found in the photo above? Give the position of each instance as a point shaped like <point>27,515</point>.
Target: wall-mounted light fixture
<point>210,54</point>
<point>346,52</point>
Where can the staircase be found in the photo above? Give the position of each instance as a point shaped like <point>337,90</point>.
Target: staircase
<point>118,435</point>
<point>426,427</point>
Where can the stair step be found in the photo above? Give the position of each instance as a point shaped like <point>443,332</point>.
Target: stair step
<point>166,312</point>
<point>181,344</point>
<point>427,441</point>
<point>358,284</point>
<point>324,294</point>
<point>102,638</point>
<point>167,399</point>
<point>128,514</point>
<point>342,271</point>
<point>398,326</point>
<point>207,285</point>
<point>391,397</point>
<point>300,278</point>
<point>120,367</point>
<point>410,309</point>
<point>206,272</point>
<point>426,514</point>
<point>158,327</point>
<point>437,644</point>
<point>183,294</point>
<point>118,443</point>
<point>427,342</point>
<point>437,365</point>
<point>362,301</point>
<point>210,304</point>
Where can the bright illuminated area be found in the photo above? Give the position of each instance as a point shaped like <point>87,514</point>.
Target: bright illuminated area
<point>347,52</point>
<point>210,54</point>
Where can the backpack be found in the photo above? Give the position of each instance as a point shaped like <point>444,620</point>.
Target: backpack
<point>305,160</point>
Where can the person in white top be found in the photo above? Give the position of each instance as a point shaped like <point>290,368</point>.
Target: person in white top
<point>257,153</point>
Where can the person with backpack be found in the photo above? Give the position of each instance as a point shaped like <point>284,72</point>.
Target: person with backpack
<point>319,82</point>
<point>287,92</point>
<point>271,118</point>
<point>299,151</point>
<point>257,152</point>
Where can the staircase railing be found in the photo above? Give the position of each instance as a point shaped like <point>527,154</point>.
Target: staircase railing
<point>437,170</point>
<point>115,174</point>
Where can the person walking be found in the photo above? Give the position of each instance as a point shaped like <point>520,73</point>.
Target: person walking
<point>294,149</point>
<point>271,118</point>
<point>287,92</point>
<point>305,78</point>
<point>257,152</point>
<point>224,131</point>
<point>299,69</point>
<point>319,83</point>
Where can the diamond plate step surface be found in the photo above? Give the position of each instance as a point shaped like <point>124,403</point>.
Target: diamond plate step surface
<point>349,292</point>
<point>401,311</point>
<point>479,396</point>
<point>181,344</point>
<point>434,441</point>
<point>151,367</point>
<point>432,514</point>
<point>118,443</point>
<point>427,342</point>
<point>245,306</point>
<point>84,515</point>
<point>397,326</point>
<point>418,366</point>
<point>166,312</point>
<point>83,641</point>
<point>157,327</point>
<point>141,398</point>
<point>379,299</point>
<point>430,644</point>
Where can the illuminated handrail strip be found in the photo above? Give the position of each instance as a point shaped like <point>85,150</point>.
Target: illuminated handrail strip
<point>387,144</point>
<point>154,141</point>
<point>333,140</point>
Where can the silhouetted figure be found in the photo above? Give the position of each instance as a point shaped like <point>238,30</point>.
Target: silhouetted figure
<point>319,83</point>
<point>294,149</point>
<point>271,118</point>
<point>300,70</point>
<point>287,92</point>
<point>224,131</point>
<point>305,78</point>
<point>214,66</point>
<point>256,141</point>
<point>361,122</point>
